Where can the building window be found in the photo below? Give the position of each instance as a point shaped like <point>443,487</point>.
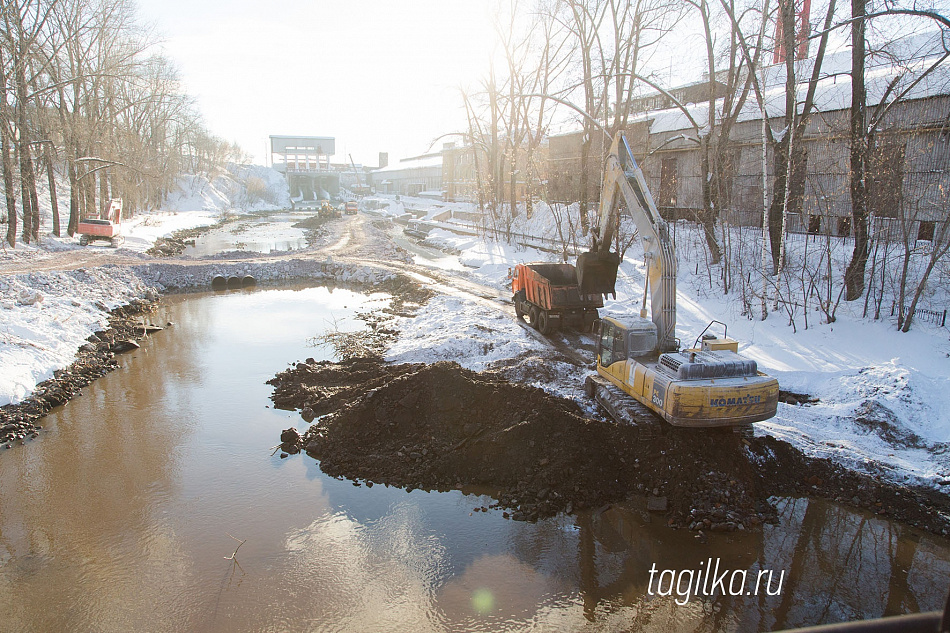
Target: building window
<point>814,224</point>
<point>668,183</point>
<point>926,230</point>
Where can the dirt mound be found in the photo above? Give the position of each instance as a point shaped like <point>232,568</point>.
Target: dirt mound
<point>443,427</point>
<point>175,244</point>
<point>317,388</point>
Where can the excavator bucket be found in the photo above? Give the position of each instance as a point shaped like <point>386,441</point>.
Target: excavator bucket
<point>597,272</point>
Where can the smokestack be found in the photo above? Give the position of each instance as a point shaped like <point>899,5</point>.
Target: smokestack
<point>383,159</point>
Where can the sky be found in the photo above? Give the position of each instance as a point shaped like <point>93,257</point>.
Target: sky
<point>378,75</point>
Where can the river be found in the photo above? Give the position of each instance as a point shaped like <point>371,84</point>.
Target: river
<point>156,502</point>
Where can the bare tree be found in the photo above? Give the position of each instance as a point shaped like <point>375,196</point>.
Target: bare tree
<point>862,131</point>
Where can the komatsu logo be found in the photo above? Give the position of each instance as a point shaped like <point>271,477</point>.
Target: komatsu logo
<point>734,402</point>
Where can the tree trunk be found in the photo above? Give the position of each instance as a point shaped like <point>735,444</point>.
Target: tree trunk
<point>780,168</point>
<point>902,287</point>
<point>854,275</point>
<point>6,144</point>
<point>89,198</point>
<point>74,193</point>
<point>31,213</point>
<point>51,175</point>
<point>585,159</point>
<point>8,186</point>
<point>917,293</point>
<point>103,193</point>
<point>710,210</point>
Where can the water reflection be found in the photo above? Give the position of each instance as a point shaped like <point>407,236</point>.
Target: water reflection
<point>268,234</point>
<point>124,514</point>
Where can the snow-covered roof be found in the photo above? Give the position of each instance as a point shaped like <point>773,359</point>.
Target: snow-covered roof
<point>418,162</point>
<point>919,52</point>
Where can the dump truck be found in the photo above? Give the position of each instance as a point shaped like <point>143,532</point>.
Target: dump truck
<point>108,226</point>
<point>549,296</point>
<point>640,365</point>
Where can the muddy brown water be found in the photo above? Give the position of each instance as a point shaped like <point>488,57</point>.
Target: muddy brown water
<point>125,515</point>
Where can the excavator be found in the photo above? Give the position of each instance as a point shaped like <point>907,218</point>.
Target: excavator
<point>641,369</point>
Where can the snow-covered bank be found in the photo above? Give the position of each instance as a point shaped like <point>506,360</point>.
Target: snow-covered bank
<point>195,200</point>
<point>46,316</point>
<point>243,188</point>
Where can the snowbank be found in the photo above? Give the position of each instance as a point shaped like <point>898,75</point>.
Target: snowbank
<point>45,317</point>
<point>243,188</point>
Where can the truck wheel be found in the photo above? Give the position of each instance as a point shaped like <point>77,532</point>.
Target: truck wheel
<point>83,240</point>
<point>517,299</point>
<point>533,317</point>
<point>544,322</point>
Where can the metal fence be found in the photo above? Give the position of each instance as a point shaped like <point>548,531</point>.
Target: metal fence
<point>926,316</point>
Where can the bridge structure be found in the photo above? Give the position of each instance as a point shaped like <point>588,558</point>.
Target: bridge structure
<point>305,163</point>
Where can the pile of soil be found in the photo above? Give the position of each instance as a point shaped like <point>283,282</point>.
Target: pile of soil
<point>96,358</point>
<point>314,227</point>
<point>441,427</point>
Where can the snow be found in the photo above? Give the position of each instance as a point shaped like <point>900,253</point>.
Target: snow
<point>143,229</point>
<point>38,338</point>
<point>476,337</point>
<point>834,87</point>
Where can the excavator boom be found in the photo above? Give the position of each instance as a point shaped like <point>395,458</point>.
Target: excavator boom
<point>597,268</point>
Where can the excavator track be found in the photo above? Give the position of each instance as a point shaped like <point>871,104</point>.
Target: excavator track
<point>625,409</point>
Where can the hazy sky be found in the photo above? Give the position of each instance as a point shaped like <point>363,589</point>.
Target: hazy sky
<point>378,75</point>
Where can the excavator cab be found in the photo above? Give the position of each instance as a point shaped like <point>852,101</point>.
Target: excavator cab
<point>597,272</point>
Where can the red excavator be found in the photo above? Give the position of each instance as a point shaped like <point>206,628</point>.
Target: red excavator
<point>106,227</point>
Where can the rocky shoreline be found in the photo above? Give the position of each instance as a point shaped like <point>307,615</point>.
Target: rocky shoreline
<point>20,421</point>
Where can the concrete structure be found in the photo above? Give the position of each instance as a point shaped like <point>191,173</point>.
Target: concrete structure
<point>305,163</point>
<point>410,176</point>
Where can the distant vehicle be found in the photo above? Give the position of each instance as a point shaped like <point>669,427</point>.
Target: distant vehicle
<point>418,228</point>
<point>351,208</point>
<point>106,227</point>
<point>327,211</point>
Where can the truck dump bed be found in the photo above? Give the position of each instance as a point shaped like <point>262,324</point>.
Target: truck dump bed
<point>554,287</point>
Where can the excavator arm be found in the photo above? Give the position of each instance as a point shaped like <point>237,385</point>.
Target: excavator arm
<point>597,268</point>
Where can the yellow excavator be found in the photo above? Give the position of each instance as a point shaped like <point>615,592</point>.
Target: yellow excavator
<point>640,365</point>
